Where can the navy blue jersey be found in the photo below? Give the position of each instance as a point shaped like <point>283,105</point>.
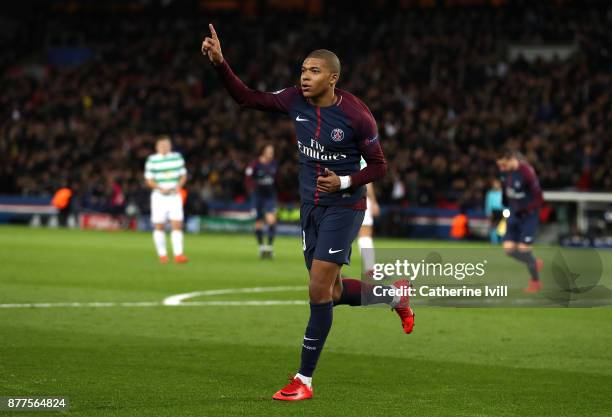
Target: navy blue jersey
<point>261,177</point>
<point>521,189</point>
<point>334,137</point>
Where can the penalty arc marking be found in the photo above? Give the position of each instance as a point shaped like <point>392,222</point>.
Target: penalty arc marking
<point>179,300</point>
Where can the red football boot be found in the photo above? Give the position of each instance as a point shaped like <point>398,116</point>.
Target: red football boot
<point>403,309</point>
<point>180,259</point>
<point>163,259</point>
<point>534,286</point>
<point>295,390</point>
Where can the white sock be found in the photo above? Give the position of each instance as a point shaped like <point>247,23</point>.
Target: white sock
<point>305,379</point>
<point>177,242</point>
<point>396,300</point>
<point>366,247</point>
<point>159,238</point>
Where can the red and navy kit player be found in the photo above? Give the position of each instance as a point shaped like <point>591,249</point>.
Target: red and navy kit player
<point>334,130</point>
<point>523,196</point>
<point>261,179</point>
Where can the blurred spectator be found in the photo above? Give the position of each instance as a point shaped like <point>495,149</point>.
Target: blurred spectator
<point>442,91</point>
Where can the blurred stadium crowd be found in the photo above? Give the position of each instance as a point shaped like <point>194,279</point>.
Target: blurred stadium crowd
<point>437,80</point>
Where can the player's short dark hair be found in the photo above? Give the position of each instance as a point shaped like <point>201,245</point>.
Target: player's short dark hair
<point>163,137</point>
<point>329,57</point>
<point>508,153</point>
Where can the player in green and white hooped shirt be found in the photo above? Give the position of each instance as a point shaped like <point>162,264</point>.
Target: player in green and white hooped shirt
<point>366,244</point>
<point>166,175</point>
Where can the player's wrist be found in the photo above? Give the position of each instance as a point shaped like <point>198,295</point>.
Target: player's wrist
<point>345,181</point>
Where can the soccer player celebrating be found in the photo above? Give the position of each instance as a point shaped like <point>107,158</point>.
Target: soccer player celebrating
<point>165,174</point>
<point>334,130</point>
<point>523,196</point>
<point>365,242</point>
<point>261,176</point>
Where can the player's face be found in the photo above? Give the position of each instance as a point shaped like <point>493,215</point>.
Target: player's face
<point>507,164</point>
<point>502,164</point>
<point>316,77</point>
<point>163,146</point>
<point>268,153</point>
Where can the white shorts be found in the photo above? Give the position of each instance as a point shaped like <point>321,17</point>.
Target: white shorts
<point>368,220</point>
<point>166,207</point>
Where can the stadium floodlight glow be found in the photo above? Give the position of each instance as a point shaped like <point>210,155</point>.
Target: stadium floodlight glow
<point>506,213</point>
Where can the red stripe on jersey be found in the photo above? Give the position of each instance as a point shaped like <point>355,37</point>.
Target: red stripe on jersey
<point>317,134</point>
<point>316,196</point>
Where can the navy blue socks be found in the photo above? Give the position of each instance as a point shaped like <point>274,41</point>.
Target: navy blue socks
<point>259,235</point>
<point>271,233</point>
<point>321,316</point>
<point>528,259</point>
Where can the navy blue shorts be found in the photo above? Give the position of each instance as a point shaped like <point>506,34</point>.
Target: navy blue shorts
<point>328,232</point>
<point>522,229</point>
<point>263,205</point>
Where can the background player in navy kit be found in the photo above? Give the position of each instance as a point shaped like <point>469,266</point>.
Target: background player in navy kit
<point>523,196</point>
<point>261,178</point>
<point>334,130</point>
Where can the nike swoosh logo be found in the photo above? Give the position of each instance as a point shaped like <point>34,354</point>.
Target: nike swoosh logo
<point>334,251</point>
<point>299,119</point>
<point>308,338</point>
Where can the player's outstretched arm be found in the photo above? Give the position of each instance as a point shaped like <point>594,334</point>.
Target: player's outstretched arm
<point>211,47</point>
<point>279,101</point>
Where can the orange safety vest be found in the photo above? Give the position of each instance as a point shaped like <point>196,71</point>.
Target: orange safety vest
<point>61,199</point>
<point>459,228</point>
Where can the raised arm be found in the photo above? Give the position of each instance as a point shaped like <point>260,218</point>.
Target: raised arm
<point>278,101</point>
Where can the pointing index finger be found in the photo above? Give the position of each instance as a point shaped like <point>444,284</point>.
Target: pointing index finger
<point>213,32</point>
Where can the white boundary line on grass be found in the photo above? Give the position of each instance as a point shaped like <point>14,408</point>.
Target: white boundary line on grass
<point>179,300</point>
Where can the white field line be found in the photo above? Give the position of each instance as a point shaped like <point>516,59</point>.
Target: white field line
<point>179,300</point>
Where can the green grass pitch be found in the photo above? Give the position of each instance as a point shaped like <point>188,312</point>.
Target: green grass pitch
<point>227,360</point>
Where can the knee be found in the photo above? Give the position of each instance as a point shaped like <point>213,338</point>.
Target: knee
<point>337,292</point>
<point>524,248</point>
<point>319,292</point>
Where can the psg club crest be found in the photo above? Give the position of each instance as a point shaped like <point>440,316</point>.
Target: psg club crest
<point>337,135</point>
